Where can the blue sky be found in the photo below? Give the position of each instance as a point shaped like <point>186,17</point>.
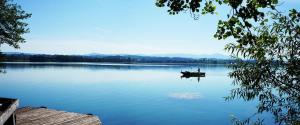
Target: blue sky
<point>117,27</point>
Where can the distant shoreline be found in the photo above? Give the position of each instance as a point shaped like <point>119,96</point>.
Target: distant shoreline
<point>109,63</point>
<point>113,59</point>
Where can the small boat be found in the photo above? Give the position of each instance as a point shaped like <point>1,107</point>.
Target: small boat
<point>193,74</point>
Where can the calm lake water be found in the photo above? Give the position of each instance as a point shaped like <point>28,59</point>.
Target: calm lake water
<point>128,94</point>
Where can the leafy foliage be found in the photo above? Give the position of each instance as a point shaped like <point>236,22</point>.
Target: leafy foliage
<point>269,37</point>
<point>12,26</point>
<point>237,121</point>
<point>245,9</point>
<point>275,76</point>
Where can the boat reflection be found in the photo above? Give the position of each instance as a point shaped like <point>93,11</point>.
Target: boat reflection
<point>188,74</point>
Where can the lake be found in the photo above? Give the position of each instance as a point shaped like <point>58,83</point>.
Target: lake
<point>128,94</point>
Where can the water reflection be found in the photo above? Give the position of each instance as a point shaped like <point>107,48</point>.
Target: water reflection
<point>2,69</point>
<point>149,84</point>
<point>191,76</point>
<point>100,66</point>
<point>126,94</point>
<point>186,95</point>
<point>1,65</point>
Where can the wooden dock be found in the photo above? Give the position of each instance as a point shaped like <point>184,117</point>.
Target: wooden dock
<point>43,116</point>
<point>7,111</point>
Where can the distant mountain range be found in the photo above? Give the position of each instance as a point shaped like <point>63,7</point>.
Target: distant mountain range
<point>193,56</point>
<point>212,56</point>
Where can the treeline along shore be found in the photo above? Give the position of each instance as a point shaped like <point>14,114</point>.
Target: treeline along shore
<point>22,57</point>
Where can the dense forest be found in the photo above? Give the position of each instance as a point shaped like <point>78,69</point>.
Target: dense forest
<point>21,57</point>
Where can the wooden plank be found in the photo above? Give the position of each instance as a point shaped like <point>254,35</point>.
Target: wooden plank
<point>36,114</point>
<point>83,121</point>
<point>42,116</point>
<point>23,110</point>
<point>7,108</point>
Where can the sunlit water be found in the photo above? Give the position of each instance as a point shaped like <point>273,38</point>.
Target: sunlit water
<point>128,94</point>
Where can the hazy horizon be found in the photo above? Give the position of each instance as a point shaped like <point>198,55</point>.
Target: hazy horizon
<point>117,27</point>
<point>94,53</point>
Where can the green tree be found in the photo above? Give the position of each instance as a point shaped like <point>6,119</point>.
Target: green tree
<point>267,36</point>
<point>274,77</point>
<point>12,25</point>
